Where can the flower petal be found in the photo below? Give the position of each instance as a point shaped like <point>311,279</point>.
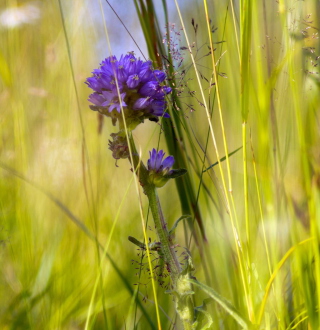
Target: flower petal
<point>168,162</point>
<point>142,103</point>
<point>159,75</point>
<point>96,99</point>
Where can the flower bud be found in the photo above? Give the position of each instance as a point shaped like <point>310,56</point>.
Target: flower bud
<point>159,168</point>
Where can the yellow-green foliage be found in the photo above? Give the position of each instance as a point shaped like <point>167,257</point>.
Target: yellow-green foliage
<point>64,203</point>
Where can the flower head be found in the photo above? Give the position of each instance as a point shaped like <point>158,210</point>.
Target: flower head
<point>159,168</point>
<point>129,84</point>
<point>157,164</point>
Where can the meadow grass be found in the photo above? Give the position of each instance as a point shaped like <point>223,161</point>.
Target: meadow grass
<point>66,210</point>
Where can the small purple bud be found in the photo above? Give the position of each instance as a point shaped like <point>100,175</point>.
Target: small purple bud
<point>159,75</point>
<point>146,73</point>
<point>94,84</point>
<point>133,81</point>
<point>122,75</point>
<point>149,89</point>
<point>157,108</point>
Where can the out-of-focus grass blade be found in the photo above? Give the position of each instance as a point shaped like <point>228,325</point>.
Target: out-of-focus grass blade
<point>84,228</point>
<point>21,306</point>
<point>274,274</point>
<point>222,159</point>
<point>225,304</point>
<point>245,31</point>
<point>5,74</point>
<point>150,27</point>
<point>45,269</point>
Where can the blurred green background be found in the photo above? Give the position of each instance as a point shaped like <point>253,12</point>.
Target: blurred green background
<point>52,274</point>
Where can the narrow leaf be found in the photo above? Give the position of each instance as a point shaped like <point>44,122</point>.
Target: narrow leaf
<point>225,304</point>
<point>176,223</point>
<point>176,173</point>
<point>222,159</point>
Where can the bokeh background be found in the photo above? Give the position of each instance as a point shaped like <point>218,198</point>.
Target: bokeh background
<point>54,161</point>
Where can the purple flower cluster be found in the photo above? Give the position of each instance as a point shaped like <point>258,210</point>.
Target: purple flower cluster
<point>138,84</point>
<point>157,165</point>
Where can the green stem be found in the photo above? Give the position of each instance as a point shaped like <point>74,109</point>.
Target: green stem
<point>167,245</point>
<point>181,287</point>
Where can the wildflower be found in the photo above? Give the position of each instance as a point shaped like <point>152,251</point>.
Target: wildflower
<point>159,168</point>
<point>138,85</point>
<point>157,165</point>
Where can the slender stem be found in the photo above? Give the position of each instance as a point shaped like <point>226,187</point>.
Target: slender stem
<point>167,245</point>
<point>181,287</point>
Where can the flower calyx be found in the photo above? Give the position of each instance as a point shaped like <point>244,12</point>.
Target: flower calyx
<point>119,146</point>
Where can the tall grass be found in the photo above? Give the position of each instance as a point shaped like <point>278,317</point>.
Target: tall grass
<point>249,83</point>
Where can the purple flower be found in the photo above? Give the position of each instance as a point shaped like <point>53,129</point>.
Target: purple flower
<point>134,80</point>
<point>153,89</point>
<point>157,165</point>
<point>112,100</point>
<point>160,75</point>
<point>159,168</point>
<point>156,107</point>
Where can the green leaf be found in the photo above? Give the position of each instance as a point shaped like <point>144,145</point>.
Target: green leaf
<point>154,246</point>
<point>176,223</point>
<point>202,315</point>
<point>222,159</point>
<point>225,304</point>
<point>176,173</point>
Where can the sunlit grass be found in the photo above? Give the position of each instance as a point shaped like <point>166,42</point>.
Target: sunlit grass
<point>262,249</point>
